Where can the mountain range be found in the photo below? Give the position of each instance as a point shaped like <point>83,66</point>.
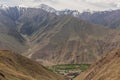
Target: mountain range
<point>58,37</point>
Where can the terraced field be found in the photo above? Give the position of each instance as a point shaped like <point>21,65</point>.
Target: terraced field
<point>69,70</point>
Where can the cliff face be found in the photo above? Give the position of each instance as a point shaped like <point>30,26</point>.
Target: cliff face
<point>107,68</point>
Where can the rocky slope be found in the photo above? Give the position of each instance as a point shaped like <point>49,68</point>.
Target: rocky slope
<point>107,68</point>
<point>16,67</point>
<point>10,38</point>
<point>54,39</point>
<point>106,18</point>
<point>74,40</point>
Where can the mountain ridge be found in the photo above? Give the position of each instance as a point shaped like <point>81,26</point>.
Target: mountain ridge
<point>43,36</point>
<point>15,66</point>
<point>107,68</point>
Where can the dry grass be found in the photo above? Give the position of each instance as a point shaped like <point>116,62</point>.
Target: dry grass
<point>107,68</point>
<point>16,67</point>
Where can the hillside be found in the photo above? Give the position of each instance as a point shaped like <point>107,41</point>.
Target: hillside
<point>107,68</point>
<point>71,41</point>
<point>107,18</point>
<point>16,67</point>
<point>10,38</point>
<point>54,39</point>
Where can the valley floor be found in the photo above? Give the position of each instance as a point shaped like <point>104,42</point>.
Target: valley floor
<point>69,70</point>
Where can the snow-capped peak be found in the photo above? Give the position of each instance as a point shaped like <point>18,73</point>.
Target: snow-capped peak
<point>75,13</point>
<point>47,8</point>
<point>23,6</point>
<point>4,6</point>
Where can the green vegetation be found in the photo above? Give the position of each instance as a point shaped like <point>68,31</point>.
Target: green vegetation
<point>70,70</point>
<point>68,67</point>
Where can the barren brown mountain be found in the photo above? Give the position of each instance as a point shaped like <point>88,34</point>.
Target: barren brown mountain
<point>54,39</point>
<point>72,41</point>
<point>16,67</point>
<point>107,68</point>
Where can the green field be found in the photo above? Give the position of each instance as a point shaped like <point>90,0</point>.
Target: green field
<point>81,67</point>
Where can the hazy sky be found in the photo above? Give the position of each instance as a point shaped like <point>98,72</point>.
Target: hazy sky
<point>69,4</point>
